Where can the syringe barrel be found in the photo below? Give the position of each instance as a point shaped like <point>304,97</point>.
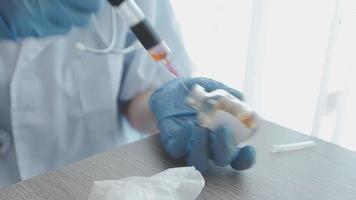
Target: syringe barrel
<point>142,28</point>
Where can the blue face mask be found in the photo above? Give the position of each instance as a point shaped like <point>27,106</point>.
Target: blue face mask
<point>22,18</point>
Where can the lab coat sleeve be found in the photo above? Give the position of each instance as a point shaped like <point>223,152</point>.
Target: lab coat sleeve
<point>142,73</point>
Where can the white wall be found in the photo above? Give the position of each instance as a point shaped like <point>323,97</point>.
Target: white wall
<point>287,52</point>
<point>216,35</point>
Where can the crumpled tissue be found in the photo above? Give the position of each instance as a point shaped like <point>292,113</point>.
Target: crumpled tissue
<point>182,183</point>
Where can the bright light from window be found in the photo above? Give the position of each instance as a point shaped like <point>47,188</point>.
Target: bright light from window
<point>287,59</point>
<point>216,35</point>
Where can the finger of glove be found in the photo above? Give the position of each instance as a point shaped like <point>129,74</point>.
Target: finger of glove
<point>235,93</point>
<point>175,137</point>
<point>169,100</point>
<point>245,158</point>
<point>198,149</point>
<point>223,146</point>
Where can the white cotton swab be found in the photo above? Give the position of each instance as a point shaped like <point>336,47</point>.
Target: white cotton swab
<point>292,146</point>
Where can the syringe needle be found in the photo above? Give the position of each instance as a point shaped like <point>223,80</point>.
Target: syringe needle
<point>170,67</point>
<point>173,73</point>
<point>183,84</point>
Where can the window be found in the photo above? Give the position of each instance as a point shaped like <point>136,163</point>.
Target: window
<point>294,59</point>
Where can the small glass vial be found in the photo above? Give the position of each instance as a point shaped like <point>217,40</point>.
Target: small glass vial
<point>219,108</point>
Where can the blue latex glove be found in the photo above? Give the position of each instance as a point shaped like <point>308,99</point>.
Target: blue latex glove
<point>40,18</point>
<point>181,135</point>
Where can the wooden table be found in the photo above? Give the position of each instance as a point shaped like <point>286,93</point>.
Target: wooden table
<point>324,172</point>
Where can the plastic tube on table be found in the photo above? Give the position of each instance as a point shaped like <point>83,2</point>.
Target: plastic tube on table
<point>292,146</point>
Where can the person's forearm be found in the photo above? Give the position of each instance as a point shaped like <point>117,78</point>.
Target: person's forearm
<point>139,114</point>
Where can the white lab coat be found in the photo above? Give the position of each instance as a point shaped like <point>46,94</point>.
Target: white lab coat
<point>59,104</point>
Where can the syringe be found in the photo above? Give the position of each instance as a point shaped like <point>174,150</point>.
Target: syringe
<point>144,31</point>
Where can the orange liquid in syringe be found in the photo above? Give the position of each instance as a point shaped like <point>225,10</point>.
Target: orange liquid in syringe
<point>158,57</point>
<point>167,63</point>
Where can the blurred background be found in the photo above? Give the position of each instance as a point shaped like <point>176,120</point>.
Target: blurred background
<point>295,60</point>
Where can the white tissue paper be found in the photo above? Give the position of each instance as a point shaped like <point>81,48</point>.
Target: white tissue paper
<point>182,183</point>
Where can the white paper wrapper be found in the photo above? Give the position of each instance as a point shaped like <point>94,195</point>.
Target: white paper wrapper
<point>183,183</point>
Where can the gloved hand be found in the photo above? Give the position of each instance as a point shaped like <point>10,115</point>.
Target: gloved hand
<point>181,135</point>
<point>40,18</point>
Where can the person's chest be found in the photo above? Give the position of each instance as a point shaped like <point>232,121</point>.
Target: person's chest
<point>36,74</point>
<point>52,92</point>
